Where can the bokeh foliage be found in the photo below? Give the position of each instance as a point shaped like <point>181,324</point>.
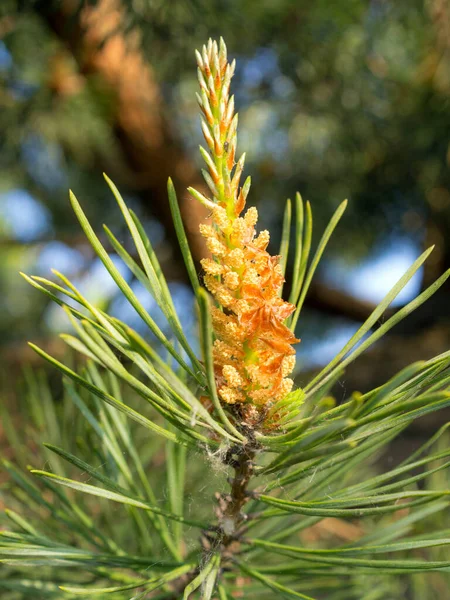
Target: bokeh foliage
<point>348,99</point>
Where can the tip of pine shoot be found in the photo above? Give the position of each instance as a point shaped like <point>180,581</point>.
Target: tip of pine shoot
<point>201,198</point>
<point>198,56</point>
<point>73,200</point>
<point>59,275</point>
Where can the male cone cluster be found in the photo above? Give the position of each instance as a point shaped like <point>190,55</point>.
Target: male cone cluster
<point>253,353</point>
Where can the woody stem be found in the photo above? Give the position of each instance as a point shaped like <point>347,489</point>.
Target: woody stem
<point>238,496</point>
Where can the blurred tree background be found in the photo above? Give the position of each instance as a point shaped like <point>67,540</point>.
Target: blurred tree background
<point>349,99</point>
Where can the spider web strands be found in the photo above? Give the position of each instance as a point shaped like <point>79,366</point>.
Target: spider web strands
<point>430,377</point>
<point>126,290</point>
<point>368,432</point>
<point>427,445</point>
<point>115,497</point>
<point>349,556</point>
<point>324,470</point>
<point>313,478</point>
<point>328,470</point>
<point>403,526</point>
<point>338,501</point>
<point>425,375</point>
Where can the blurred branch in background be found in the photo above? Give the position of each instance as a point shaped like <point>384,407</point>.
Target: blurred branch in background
<point>150,150</point>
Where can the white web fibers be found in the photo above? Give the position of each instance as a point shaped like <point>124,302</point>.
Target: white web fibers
<point>202,484</point>
<point>217,458</point>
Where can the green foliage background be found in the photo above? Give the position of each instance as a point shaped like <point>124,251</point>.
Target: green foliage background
<point>342,99</point>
